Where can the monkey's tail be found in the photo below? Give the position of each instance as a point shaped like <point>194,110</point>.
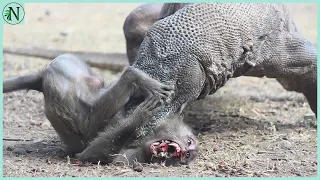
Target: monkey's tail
<point>31,81</point>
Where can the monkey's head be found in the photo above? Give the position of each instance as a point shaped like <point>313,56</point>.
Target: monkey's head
<point>172,143</point>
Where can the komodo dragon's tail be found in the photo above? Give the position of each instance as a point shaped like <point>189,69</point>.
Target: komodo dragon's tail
<point>31,81</point>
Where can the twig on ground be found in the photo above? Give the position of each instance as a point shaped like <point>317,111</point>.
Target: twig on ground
<point>14,139</point>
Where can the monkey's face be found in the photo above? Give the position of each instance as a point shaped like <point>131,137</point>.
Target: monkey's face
<point>173,143</point>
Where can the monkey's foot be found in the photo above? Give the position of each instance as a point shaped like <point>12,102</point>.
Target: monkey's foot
<point>166,149</point>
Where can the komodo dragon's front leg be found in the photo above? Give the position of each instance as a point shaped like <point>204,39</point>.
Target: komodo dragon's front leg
<point>292,60</point>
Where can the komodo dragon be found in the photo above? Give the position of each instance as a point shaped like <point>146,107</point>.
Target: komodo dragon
<point>289,71</point>
<point>198,47</point>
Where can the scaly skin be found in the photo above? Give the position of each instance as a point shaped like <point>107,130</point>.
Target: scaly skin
<point>294,73</point>
<point>200,46</point>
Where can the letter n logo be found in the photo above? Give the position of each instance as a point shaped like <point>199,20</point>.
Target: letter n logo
<point>13,13</point>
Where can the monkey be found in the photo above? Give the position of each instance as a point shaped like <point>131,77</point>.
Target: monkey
<point>88,115</point>
<point>77,102</point>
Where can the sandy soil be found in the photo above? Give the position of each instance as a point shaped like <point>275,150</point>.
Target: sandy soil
<point>250,127</point>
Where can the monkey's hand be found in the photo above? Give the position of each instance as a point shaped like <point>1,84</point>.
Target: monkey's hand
<point>149,85</point>
<point>143,112</point>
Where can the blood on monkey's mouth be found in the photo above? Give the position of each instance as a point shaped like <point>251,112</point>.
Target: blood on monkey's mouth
<point>166,149</point>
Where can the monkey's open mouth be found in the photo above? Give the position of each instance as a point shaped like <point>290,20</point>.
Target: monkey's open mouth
<point>166,149</point>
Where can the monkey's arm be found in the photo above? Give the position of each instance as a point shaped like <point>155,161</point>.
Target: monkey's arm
<point>111,141</point>
<point>131,81</point>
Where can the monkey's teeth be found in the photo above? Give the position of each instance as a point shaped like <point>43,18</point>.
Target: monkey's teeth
<point>163,154</point>
<point>154,148</point>
<point>156,143</point>
<point>167,141</point>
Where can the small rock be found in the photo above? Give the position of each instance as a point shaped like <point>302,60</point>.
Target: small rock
<point>285,144</point>
<point>19,151</point>
<point>46,125</point>
<point>210,166</point>
<point>137,167</point>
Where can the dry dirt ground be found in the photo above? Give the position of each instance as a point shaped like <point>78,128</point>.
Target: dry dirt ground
<point>250,127</point>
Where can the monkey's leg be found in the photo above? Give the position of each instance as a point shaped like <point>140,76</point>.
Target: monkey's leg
<point>30,81</point>
<point>292,60</point>
<point>131,81</point>
<point>113,138</point>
